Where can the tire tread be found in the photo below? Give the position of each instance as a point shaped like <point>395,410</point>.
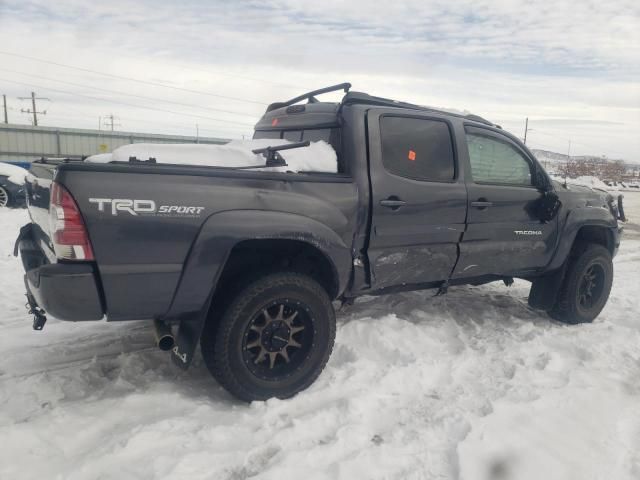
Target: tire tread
<point>564,308</point>
<point>215,342</point>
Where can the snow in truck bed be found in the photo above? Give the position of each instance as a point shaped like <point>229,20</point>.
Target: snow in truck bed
<point>472,385</point>
<point>318,157</point>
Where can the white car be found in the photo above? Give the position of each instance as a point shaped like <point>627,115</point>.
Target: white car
<point>12,185</point>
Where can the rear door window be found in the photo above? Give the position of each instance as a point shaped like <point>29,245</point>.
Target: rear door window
<point>416,148</point>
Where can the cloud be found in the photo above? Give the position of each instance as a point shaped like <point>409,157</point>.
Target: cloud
<point>499,58</point>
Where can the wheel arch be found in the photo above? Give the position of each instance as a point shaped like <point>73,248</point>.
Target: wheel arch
<point>545,289</point>
<point>216,256</point>
<point>599,234</point>
<point>224,234</point>
<point>264,255</point>
<point>584,225</point>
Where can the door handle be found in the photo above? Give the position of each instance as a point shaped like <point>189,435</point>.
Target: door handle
<point>393,203</point>
<point>481,204</point>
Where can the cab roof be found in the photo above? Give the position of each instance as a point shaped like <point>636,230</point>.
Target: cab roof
<point>324,112</point>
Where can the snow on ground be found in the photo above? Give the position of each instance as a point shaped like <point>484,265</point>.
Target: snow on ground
<point>470,385</point>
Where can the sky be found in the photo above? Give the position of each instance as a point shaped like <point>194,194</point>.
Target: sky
<point>571,67</point>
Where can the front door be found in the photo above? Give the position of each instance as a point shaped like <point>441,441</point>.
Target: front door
<point>419,202</point>
<point>504,236</point>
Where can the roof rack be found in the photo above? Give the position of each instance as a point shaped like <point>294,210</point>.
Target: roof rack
<point>364,98</point>
<point>311,96</point>
<point>57,160</point>
<point>478,118</point>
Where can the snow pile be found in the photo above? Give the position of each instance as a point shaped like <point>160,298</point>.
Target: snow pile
<point>472,385</point>
<point>14,173</point>
<point>589,181</point>
<point>318,157</point>
<point>100,158</point>
<point>585,181</point>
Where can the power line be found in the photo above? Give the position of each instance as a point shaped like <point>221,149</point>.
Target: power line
<point>33,110</point>
<point>65,92</point>
<point>526,129</point>
<point>130,79</point>
<point>110,121</point>
<point>232,112</point>
<point>227,129</point>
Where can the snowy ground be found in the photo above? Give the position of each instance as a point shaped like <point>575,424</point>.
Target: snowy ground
<point>471,385</point>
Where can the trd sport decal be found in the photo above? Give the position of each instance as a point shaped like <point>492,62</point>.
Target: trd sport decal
<point>144,207</point>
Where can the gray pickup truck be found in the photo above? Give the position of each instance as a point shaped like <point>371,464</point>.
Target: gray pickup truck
<point>249,262</point>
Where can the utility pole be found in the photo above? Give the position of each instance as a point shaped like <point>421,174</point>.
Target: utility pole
<point>110,121</point>
<point>569,151</point>
<point>197,133</point>
<point>33,109</point>
<point>4,102</point>
<point>526,129</point>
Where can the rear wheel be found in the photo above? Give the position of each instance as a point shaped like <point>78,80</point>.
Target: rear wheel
<point>273,338</point>
<point>586,286</point>
<point>4,197</point>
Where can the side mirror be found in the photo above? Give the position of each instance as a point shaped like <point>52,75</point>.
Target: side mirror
<point>547,206</point>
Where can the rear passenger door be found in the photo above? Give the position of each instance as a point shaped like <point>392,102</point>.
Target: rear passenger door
<point>418,199</point>
<point>504,236</point>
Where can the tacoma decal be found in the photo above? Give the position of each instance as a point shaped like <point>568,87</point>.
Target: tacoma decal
<point>144,207</point>
<point>528,232</point>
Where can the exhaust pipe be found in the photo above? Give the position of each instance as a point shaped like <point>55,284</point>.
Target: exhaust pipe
<point>163,334</point>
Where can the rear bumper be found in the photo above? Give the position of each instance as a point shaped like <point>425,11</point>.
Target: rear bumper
<point>67,291</point>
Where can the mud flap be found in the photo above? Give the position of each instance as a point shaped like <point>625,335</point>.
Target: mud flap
<point>544,289</point>
<point>25,232</point>
<point>189,331</point>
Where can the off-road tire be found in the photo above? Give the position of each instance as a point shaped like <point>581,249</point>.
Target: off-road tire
<point>222,338</point>
<point>568,308</point>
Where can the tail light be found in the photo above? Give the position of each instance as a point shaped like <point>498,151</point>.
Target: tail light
<point>68,232</point>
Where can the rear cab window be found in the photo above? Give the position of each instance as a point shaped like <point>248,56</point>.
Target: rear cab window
<point>328,135</point>
<point>298,123</point>
<point>418,148</point>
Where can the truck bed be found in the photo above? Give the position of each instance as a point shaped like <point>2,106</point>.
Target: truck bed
<point>141,255</point>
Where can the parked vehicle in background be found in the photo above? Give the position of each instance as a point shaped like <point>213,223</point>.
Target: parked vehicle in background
<point>12,180</point>
<point>248,262</point>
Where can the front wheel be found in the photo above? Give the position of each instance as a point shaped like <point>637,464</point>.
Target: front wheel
<point>586,286</point>
<point>273,338</point>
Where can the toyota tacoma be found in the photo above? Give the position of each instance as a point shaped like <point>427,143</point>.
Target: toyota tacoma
<point>250,262</point>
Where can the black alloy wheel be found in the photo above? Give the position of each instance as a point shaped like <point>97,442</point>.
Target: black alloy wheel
<point>270,338</point>
<point>278,339</point>
<point>586,285</point>
<point>591,286</point>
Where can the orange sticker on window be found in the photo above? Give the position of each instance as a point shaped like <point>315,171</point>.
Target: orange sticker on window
<point>274,122</point>
<point>412,155</point>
